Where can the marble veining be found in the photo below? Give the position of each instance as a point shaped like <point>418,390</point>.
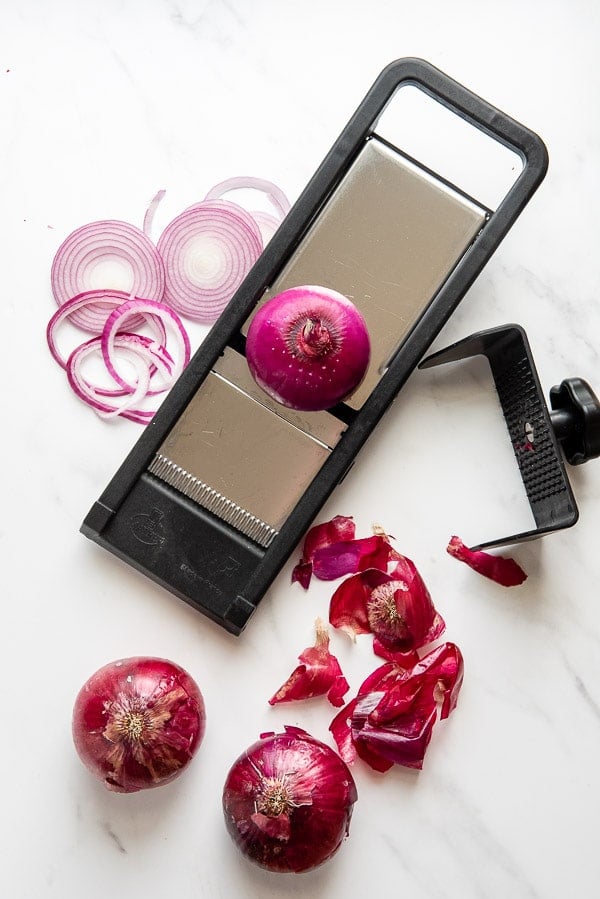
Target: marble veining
<point>102,105</point>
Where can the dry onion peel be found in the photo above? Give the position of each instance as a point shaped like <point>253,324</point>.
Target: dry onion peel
<point>340,528</point>
<point>501,569</point>
<point>395,607</point>
<point>391,719</point>
<point>319,674</point>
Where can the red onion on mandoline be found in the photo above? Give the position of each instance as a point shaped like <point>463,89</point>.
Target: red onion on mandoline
<point>288,801</point>
<point>138,722</point>
<point>308,348</point>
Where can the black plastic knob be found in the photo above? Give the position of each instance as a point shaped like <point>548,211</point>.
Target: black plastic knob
<point>575,417</point>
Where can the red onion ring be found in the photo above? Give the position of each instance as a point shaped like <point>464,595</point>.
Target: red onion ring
<point>111,299</point>
<point>150,211</point>
<point>199,284</point>
<point>267,223</point>
<point>128,310</point>
<point>96,397</point>
<point>276,196</point>
<point>105,241</point>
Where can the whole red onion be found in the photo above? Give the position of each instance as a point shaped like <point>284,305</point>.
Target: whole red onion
<point>308,348</point>
<point>288,801</point>
<point>138,722</point>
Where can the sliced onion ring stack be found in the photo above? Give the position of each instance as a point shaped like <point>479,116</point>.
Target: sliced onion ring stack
<point>207,251</point>
<point>109,242</point>
<point>148,355</point>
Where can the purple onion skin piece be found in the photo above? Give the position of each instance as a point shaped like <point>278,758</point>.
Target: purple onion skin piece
<point>308,348</point>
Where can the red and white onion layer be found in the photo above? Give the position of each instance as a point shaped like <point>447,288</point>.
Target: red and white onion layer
<point>109,242</point>
<point>145,356</point>
<point>111,299</point>
<point>207,252</point>
<point>117,321</point>
<point>276,196</point>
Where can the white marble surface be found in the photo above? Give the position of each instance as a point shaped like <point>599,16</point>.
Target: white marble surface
<point>103,103</point>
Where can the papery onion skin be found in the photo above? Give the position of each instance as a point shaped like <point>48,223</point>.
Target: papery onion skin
<point>396,607</point>
<point>391,719</point>
<point>319,674</point>
<point>340,527</point>
<point>138,722</point>
<point>288,802</point>
<point>501,569</point>
<point>308,348</point>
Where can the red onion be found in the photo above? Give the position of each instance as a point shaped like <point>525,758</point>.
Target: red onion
<point>138,722</point>
<point>308,348</point>
<point>501,569</point>
<point>207,251</point>
<point>288,801</point>
<point>102,255</point>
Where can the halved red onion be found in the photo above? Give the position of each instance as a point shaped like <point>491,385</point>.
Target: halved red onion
<point>276,196</point>
<point>308,347</point>
<point>207,251</point>
<point>125,313</point>
<point>319,674</point>
<point>102,255</point>
<point>501,569</point>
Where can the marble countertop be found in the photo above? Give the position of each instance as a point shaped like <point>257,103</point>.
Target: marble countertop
<point>102,104</point>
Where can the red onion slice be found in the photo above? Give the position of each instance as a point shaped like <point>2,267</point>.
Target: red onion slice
<point>106,254</point>
<point>150,212</point>
<point>275,195</point>
<point>111,299</point>
<point>128,310</point>
<point>207,251</point>
<point>96,397</point>
<point>267,223</point>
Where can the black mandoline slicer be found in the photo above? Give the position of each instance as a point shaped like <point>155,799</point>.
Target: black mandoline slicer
<point>224,482</point>
<point>536,433</point>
